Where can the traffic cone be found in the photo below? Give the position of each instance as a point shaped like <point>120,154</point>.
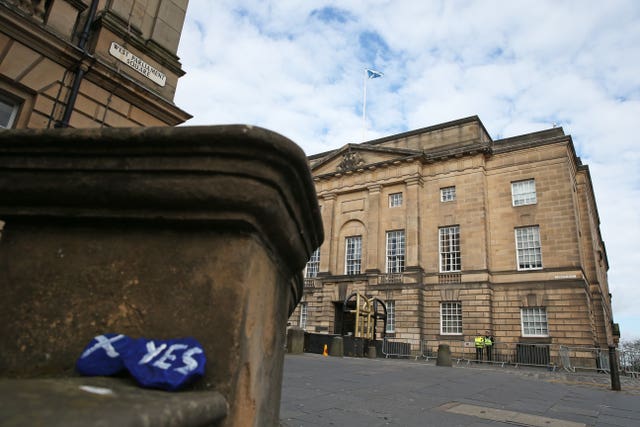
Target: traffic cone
<point>324,351</point>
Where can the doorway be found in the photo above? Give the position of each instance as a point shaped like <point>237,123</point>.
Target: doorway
<point>344,322</point>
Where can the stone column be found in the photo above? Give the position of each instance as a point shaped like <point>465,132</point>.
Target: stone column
<point>327,218</point>
<point>373,230</point>
<point>157,233</point>
<point>413,185</point>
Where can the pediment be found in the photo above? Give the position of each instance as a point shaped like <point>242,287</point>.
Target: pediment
<point>353,157</point>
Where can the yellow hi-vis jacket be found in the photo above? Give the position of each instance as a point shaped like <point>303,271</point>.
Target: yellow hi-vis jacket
<point>479,342</point>
<point>488,342</point>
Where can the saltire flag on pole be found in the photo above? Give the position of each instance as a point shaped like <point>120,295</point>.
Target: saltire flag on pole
<point>369,74</point>
<point>373,74</point>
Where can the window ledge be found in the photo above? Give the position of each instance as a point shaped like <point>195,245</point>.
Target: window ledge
<point>535,340</point>
<point>455,337</point>
<point>95,400</point>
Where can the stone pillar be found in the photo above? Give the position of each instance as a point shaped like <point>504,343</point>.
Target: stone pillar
<point>327,218</point>
<point>337,347</point>
<point>371,351</point>
<point>295,341</point>
<point>614,369</point>
<point>373,232</point>
<point>444,355</point>
<point>414,184</point>
<point>157,233</point>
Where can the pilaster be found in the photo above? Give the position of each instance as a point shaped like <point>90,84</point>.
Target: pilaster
<point>412,234</point>
<point>373,261</point>
<point>328,252</point>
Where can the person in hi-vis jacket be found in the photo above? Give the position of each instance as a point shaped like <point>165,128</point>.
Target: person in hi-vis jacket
<point>488,345</point>
<point>479,341</point>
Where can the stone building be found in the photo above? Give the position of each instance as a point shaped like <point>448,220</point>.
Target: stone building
<point>90,63</point>
<point>460,234</point>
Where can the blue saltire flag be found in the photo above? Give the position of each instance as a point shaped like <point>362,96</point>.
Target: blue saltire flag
<point>165,364</point>
<point>102,356</point>
<point>372,74</point>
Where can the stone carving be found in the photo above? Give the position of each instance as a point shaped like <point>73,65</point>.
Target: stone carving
<point>32,7</point>
<point>350,160</point>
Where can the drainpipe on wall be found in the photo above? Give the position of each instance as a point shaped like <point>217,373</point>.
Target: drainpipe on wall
<point>82,68</point>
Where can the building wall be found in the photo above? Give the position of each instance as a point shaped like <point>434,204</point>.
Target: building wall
<point>354,184</point>
<point>42,50</point>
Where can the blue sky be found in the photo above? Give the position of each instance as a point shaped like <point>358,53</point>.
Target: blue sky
<point>297,68</point>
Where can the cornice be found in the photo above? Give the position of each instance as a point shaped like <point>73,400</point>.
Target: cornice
<point>183,176</point>
<point>457,151</point>
<point>50,45</point>
<point>28,31</point>
<point>374,188</point>
<point>355,148</point>
<point>368,168</point>
<point>428,129</point>
<point>104,75</point>
<point>133,36</point>
<point>78,4</point>
<point>523,143</point>
<point>414,180</point>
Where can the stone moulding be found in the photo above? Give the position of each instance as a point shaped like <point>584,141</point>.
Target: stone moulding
<point>157,233</point>
<point>236,175</point>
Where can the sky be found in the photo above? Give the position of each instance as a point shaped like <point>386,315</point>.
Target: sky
<point>297,68</point>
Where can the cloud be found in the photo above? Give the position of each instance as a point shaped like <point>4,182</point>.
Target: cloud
<point>297,68</point>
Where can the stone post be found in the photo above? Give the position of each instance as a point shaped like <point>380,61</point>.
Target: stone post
<point>614,369</point>
<point>295,341</point>
<point>444,355</point>
<point>157,233</point>
<point>336,348</point>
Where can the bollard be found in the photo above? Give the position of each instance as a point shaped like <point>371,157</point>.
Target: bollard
<point>444,355</point>
<point>157,233</point>
<point>371,352</point>
<point>295,340</point>
<point>614,369</point>
<point>337,347</point>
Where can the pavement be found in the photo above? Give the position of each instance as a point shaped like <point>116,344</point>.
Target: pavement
<point>334,391</point>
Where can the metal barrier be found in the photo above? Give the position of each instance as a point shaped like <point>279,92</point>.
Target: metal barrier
<point>392,347</point>
<point>584,358</point>
<point>499,353</point>
<point>629,362</point>
<point>429,350</point>
<point>516,354</point>
<point>550,356</point>
<point>544,355</point>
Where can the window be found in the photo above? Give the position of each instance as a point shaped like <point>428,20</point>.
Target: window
<point>8,111</point>
<point>451,318</point>
<point>523,192</point>
<point>450,249</point>
<point>353,255</point>
<point>447,194</point>
<point>395,200</point>
<point>313,265</point>
<point>534,322</point>
<point>391,316</point>
<point>303,315</point>
<point>528,248</point>
<point>395,251</point>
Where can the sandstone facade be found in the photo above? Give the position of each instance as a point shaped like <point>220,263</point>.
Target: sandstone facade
<point>495,235</point>
<point>90,63</point>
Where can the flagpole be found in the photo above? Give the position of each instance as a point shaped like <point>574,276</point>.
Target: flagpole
<point>364,105</point>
